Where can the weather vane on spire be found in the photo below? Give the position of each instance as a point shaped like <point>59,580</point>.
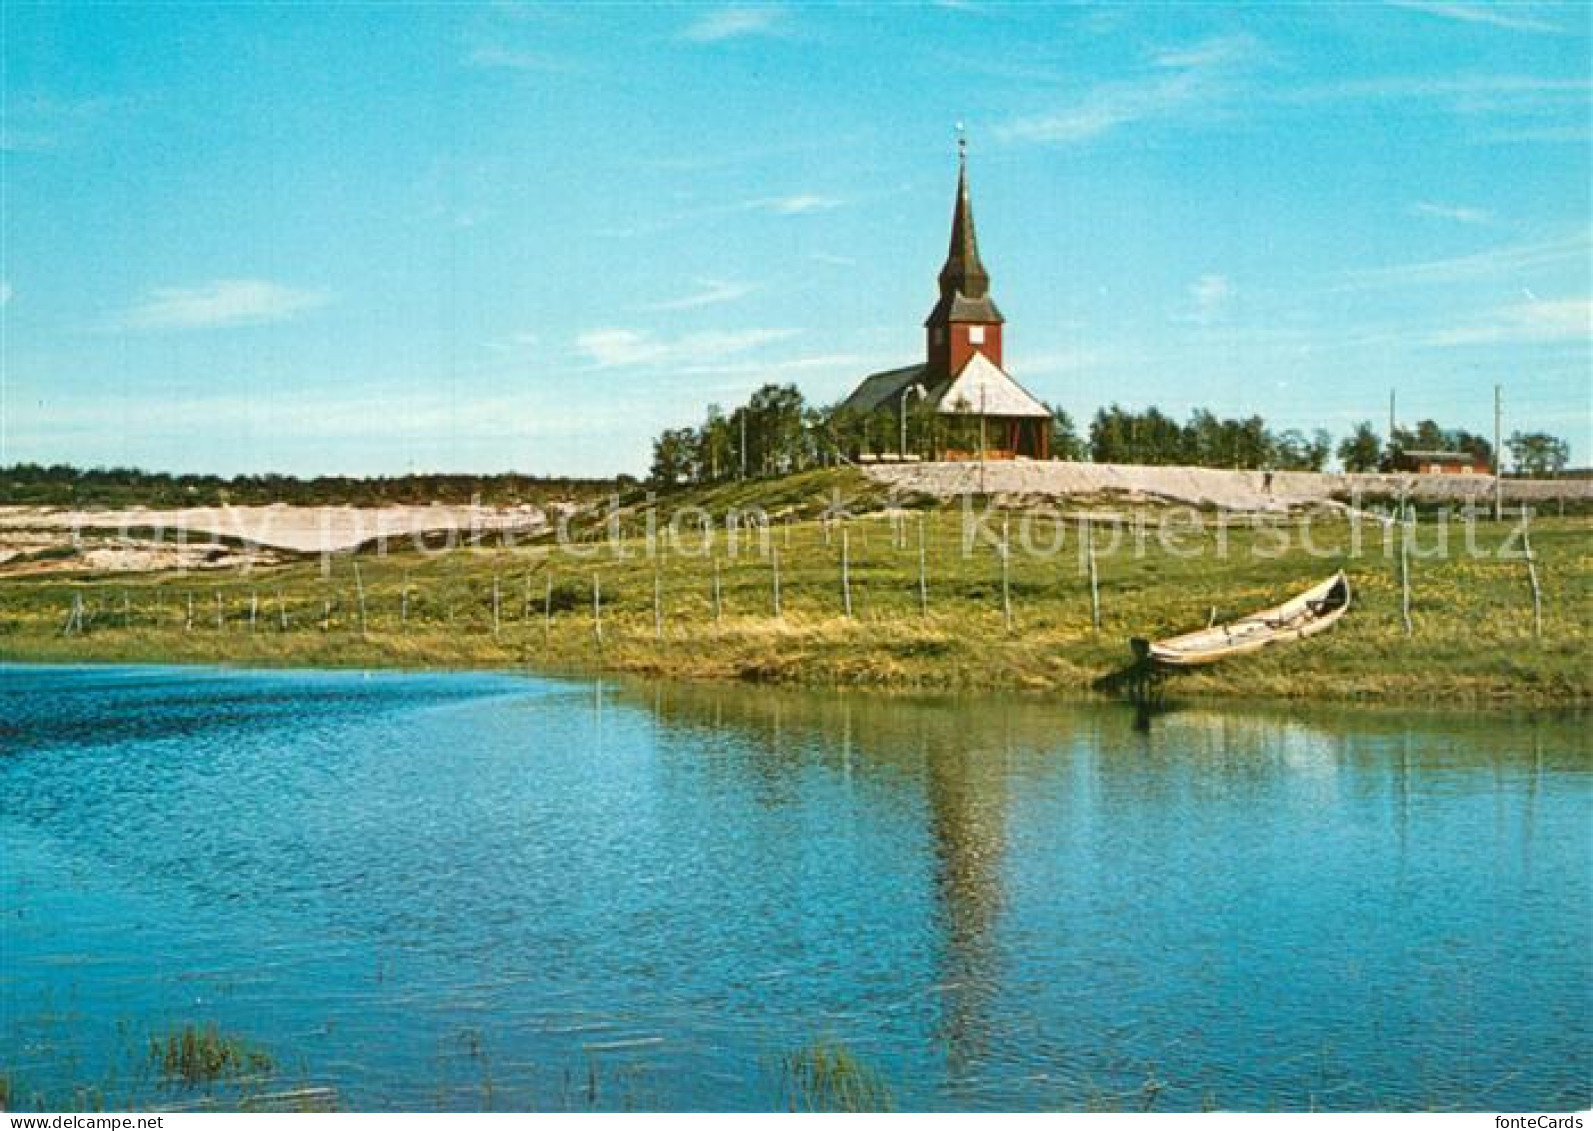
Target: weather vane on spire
<point>962,139</point>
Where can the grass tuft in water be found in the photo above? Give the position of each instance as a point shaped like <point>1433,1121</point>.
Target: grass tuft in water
<point>195,1055</point>
<point>825,1077</point>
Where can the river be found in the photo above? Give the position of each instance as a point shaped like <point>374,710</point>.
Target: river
<point>480,890</point>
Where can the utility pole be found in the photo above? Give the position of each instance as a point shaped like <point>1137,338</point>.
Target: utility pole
<point>1498,466</point>
<point>982,452</point>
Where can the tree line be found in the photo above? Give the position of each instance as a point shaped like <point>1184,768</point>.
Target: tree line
<point>1534,455</point>
<point>32,484</point>
<point>777,432</point>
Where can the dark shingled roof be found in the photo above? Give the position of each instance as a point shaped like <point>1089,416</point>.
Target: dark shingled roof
<point>883,388</point>
<point>964,282</point>
<point>958,307</point>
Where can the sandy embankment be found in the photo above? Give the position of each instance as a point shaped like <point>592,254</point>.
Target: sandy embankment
<point>1018,480</point>
<point>44,539</point>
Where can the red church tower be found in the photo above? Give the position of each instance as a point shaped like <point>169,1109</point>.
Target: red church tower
<point>965,321</point>
<point>981,412</point>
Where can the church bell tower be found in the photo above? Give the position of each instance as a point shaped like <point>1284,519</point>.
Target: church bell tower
<point>965,321</point>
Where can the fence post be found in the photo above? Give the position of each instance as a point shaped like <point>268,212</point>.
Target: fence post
<point>497,602</point>
<point>254,609</point>
<point>1532,574</point>
<point>403,602</point>
<point>1095,581</point>
<point>1404,565</point>
<point>74,616</point>
<point>719,607</point>
<point>188,622</point>
<point>923,575</point>
<point>282,612</point>
<point>359,592</point>
<point>220,620</point>
<point>597,608</point>
<point>776,560</point>
<point>547,608</point>
<point>658,603</point>
<point>1006,572</point>
<point>846,570</point>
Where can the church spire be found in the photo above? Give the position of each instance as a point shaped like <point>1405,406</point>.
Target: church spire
<point>965,321</point>
<point>963,273</point>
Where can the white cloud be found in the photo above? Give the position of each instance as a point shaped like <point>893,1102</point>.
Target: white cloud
<point>612,347</point>
<point>519,343</point>
<point>1218,51</point>
<point>708,292</point>
<point>1072,360</point>
<point>1211,295</point>
<point>798,204</point>
<point>1557,320</point>
<point>793,204</point>
<point>734,23</point>
<point>1103,109</point>
<point>1496,263</point>
<point>325,413</point>
<point>1211,291</point>
<point>1512,16</point>
<point>1185,80</point>
<point>224,302</point>
<point>493,56</point>
<point>1460,94</point>
<point>1459,213</point>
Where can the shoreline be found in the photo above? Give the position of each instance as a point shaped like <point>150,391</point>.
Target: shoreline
<point>1183,688</point>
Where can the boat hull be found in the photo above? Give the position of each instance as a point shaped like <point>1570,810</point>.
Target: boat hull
<point>1313,611</point>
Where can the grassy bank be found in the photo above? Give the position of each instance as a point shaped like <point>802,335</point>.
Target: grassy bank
<point>1472,633</point>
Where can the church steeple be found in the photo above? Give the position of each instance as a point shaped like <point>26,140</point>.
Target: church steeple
<point>965,321</point>
<point>963,273</point>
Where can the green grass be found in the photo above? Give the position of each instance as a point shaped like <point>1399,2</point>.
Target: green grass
<point>1472,638</point>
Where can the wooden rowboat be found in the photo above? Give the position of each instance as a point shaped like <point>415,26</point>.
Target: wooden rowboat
<point>1307,614</point>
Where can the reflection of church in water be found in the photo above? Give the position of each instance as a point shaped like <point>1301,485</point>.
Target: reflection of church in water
<point>967,818</point>
<point>964,781</point>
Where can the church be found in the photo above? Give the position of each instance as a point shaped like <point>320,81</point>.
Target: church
<point>975,408</point>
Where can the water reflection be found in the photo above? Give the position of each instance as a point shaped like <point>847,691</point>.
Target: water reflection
<point>998,902</point>
<point>1220,793</point>
<point>966,786</point>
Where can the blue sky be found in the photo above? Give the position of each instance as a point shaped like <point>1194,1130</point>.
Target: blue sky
<point>381,238</point>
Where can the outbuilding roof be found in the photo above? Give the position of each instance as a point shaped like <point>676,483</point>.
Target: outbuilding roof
<point>1442,457</point>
